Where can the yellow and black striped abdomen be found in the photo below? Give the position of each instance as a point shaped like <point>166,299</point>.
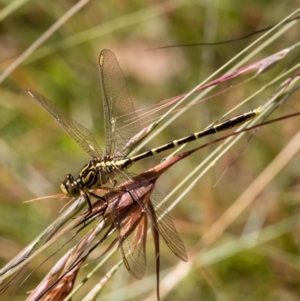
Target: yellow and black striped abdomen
<point>98,172</point>
<point>227,124</point>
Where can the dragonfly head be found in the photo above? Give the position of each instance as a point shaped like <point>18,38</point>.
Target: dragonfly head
<point>69,186</point>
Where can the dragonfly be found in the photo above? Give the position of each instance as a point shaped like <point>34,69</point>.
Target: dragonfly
<point>107,169</point>
<point>120,139</point>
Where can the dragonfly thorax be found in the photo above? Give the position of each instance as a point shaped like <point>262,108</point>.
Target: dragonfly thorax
<point>93,175</point>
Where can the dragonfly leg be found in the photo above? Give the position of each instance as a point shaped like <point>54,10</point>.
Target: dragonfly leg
<point>98,197</point>
<point>86,196</point>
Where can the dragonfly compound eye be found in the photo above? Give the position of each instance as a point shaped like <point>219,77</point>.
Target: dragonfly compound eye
<point>69,187</point>
<point>73,190</point>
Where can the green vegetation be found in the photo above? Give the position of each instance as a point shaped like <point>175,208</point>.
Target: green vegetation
<point>251,253</point>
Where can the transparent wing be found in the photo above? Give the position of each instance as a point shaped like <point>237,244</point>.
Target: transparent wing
<point>121,120</point>
<point>81,135</point>
<point>165,226</point>
<point>132,227</point>
<point>150,200</point>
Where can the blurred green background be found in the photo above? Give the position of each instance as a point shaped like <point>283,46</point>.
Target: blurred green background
<point>35,153</point>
